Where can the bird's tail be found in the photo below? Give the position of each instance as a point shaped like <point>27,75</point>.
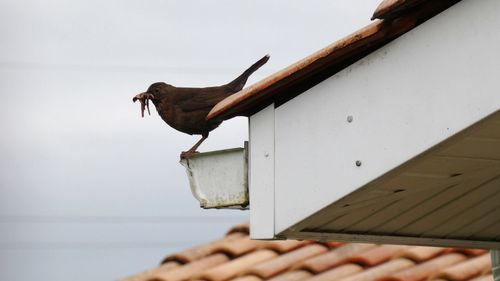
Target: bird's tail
<point>238,83</point>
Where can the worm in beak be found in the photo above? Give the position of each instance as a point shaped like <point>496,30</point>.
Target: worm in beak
<point>144,99</point>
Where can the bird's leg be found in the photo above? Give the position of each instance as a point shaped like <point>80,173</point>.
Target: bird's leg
<point>192,150</point>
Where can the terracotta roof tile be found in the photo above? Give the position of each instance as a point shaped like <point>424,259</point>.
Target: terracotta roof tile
<point>240,228</point>
<point>338,273</point>
<point>247,278</point>
<point>304,74</point>
<point>189,270</point>
<point>238,247</point>
<point>235,267</point>
<point>393,8</point>
<point>282,263</point>
<point>471,252</point>
<point>333,257</point>
<point>308,260</point>
<point>168,266</point>
<point>333,244</point>
<point>377,255</point>
<point>467,269</point>
<point>198,252</point>
<point>487,277</point>
<point>295,275</point>
<point>284,246</point>
<point>420,254</point>
<point>426,269</point>
<point>382,270</point>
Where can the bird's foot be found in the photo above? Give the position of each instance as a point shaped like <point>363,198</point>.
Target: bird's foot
<point>188,154</point>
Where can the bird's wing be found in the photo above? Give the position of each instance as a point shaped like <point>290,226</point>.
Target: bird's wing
<point>200,100</point>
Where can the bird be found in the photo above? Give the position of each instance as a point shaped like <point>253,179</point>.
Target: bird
<point>185,109</point>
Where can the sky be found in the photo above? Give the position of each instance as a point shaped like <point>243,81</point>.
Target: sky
<point>88,188</point>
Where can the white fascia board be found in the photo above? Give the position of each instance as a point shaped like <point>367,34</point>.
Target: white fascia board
<point>261,174</point>
<point>406,97</point>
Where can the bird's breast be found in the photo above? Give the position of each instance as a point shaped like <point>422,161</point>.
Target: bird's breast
<point>193,122</point>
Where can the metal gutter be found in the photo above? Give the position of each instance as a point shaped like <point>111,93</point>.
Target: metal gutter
<point>219,179</point>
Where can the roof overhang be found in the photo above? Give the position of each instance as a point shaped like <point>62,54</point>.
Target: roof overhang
<point>400,147</point>
<point>398,17</point>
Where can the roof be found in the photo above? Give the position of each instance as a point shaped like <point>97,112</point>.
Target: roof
<point>394,18</point>
<point>235,257</point>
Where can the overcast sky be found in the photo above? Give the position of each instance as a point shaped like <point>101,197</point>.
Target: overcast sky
<point>88,185</point>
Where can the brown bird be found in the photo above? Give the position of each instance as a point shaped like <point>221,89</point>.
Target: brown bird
<point>186,109</point>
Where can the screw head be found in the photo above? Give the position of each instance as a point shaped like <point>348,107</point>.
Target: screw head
<point>358,163</point>
<point>350,118</point>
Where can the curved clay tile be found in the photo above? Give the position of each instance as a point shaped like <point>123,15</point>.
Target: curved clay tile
<point>240,228</point>
<point>471,252</point>
<point>420,253</point>
<point>166,267</point>
<point>247,278</point>
<point>333,244</point>
<point>467,269</point>
<point>377,255</point>
<point>334,257</point>
<point>273,267</point>
<point>285,245</point>
<point>338,273</point>
<point>201,251</point>
<point>233,268</point>
<point>295,275</point>
<point>382,270</point>
<point>236,248</point>
<point>191,269</point>
<point>488,277</point>
<point>426,269</point>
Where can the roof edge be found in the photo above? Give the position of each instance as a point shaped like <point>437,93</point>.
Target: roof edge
<point>310,71</point>
<point>394,8</point>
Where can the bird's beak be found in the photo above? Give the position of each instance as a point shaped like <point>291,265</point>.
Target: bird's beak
<point>144,99</point>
